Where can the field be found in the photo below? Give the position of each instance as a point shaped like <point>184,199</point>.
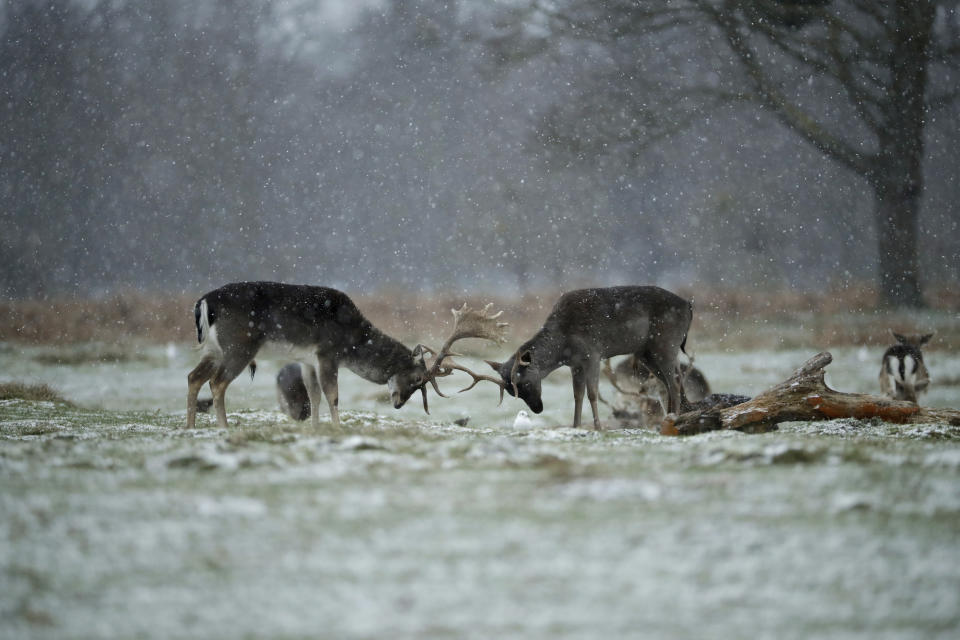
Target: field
<point>116,521</point>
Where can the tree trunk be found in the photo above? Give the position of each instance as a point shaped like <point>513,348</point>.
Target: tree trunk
<point>804,396</point>
<point>898,259</point>
<point>898,168</point>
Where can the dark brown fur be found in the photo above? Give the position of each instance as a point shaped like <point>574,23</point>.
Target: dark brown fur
<point>589,325</point>
<point>319,326</point>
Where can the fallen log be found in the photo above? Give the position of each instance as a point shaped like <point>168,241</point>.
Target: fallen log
<point>803,396</point>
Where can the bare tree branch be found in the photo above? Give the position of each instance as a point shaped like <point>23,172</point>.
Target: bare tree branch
<point>609,24</point>
<point>936,103</point>
<point>784,109</point>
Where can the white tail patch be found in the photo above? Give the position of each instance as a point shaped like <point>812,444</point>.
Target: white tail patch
<point>903,372</point>
<point>909,370</point>
<point>208,334</point>
<point>211,345</point>
<point>893,368</point>
<point>203,322</point>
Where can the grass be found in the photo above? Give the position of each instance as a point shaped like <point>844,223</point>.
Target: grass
<point>124,523</point>
<point>839,316</point>
<point>89,353</point>
<point>35,392</point>
<point>271,528</point>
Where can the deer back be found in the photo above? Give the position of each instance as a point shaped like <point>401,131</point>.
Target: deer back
<point>301,322</point>
<point>295,314</point>
<point>605,322</point>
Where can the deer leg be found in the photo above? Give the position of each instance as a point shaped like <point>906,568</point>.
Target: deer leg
<point>218,387</point>
<point>579,385</point>
<point>593,391</point>
<point>673,390</point>
<point>195,380</point>
<point>664,367</point>
<point>328,381</point>
<point>312,383</point>
<point>226,373</point>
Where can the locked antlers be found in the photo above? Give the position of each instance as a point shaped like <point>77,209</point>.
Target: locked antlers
<point>468,323</point>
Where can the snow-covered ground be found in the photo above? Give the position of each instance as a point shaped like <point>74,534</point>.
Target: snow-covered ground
<point>115,521</point>
<point>154,378</point>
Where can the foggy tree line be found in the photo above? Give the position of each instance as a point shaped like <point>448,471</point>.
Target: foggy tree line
<point>174,145</point>
<point>858,81</point>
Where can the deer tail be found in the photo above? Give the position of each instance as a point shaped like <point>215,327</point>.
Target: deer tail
<point>683,344</point>
<point>202,317</point>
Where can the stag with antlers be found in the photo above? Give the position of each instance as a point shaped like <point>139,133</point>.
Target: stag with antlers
<point>587,326</point>
<point>322,329</point>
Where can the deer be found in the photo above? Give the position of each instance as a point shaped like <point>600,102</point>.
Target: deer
<point>320,328</point>
<point>631,377</point>
<point>587,326</point>
<point>903,374</point>
<point>292,392</point>
<point>641,395</point>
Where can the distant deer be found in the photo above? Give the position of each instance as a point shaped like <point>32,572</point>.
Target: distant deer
<point>292,392</point>
<point>589,325</point>
<point>903,375</point>
<point>630,372</point>
<point>641,395</point>
<point>322,329</point>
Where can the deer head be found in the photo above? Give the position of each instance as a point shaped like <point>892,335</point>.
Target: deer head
<point>912,340</point>
<point>411,377</point>
<point>521,377</point>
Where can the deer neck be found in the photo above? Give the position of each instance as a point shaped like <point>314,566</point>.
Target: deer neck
<point>376,356</point>
<point>546,350</point>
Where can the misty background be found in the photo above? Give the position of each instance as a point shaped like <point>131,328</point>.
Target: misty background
<point>175,145</point>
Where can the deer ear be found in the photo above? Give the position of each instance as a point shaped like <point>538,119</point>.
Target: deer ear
<point>924,339</point>
<point>900,338</point>
<point>495,365</point>
<point>418,353</point>
<point>525,358</point>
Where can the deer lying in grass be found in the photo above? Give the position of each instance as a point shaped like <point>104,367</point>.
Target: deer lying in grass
<point>322,329</point>
<point>903,375</point>
<point>588,326</point>
<point>630,376</point>
<point>292,392</point>
<point>641,396</point>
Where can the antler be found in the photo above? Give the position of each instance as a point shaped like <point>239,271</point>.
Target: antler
<point>638,370</point>
<point>449,367</point>
<point>468,323</point>
<point>613,378</point>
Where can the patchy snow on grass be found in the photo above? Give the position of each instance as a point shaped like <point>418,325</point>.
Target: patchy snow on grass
<point>116,521</point>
